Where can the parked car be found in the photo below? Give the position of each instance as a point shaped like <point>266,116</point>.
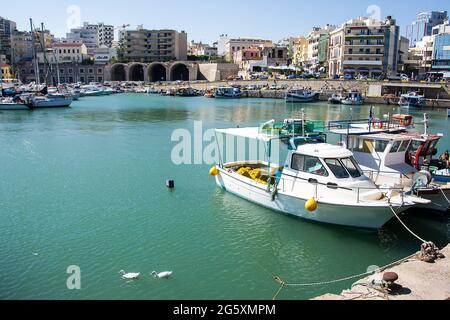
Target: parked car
<point>348,76</point>
<point>398,77</point>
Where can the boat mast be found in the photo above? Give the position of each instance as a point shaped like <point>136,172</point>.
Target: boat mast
<point>36,66</point>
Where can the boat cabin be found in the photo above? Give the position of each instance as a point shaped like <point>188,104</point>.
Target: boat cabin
<point>403,152</point>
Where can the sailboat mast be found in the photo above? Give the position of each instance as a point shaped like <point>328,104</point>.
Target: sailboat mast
<point>35,62</point>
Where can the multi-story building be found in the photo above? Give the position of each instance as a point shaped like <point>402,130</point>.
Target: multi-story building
<point>234,45</point>
<point>423,26</point>
<point>152,45</point>
<point>364,46</point>
<point>201,49</point>
<point>403,54</point>
<point>317,46</point>
<point>5,72</point>
<point>88,33</point>
<point>247,54</point>
<point>420,57</point>
<point>67,72</point>
<point>22,48</point>
<point>441,47</point>
<point>300,51</point>
<point>7,27</point>
<point>276,56</point>
<point>69,52</point>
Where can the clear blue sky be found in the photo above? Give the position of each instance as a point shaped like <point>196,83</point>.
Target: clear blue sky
<point>206,20</point>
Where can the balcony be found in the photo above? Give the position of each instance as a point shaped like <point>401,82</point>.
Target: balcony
<point>363,63</point>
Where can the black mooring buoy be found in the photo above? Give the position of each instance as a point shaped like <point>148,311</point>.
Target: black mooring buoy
<point>170,184</point>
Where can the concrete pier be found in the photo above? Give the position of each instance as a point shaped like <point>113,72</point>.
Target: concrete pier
<point>419,281</point>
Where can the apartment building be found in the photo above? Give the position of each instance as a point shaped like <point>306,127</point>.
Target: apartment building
<point>22,44</point>
<point>69,52</point>
<point>441,48</point>
<point>234,45</point>
<point>364,46</point>
<point>7,27</point>
<point>93,35</point>
<point>423,25</point>
<point>145,45</point>
<point>300,51</point>
<point>318,47</point>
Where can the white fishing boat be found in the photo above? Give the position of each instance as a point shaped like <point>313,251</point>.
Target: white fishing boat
<point>10,103</point>
<point>318,182</point>
<point>336,98</point>
<point>300,96</point>
<point>412,99</point>
<point>400,160</point>
<point>353,98</point>
<point>49,101</point>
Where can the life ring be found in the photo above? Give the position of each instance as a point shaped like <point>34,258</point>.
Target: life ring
<point>377,124</point>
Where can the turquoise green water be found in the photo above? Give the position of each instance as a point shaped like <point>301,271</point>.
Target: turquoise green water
<point>86,186</point>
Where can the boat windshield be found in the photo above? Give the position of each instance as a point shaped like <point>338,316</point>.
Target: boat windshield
<point>344,168</point>
<point>308,164</point>
<point>337,168</point>
<point>352,167</point>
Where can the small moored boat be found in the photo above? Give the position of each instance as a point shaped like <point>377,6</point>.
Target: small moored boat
<point>412,99</point>
<point>300,96</point>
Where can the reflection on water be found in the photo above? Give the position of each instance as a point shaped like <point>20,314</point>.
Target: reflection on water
<point>86,186</point>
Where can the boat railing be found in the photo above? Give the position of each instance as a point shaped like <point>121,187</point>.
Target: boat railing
<point>359,191</point>
<point>372,173</point>
<point>388,124</point>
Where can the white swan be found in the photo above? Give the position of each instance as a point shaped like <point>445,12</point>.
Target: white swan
<point>129,276</point>
<point>162,275</point>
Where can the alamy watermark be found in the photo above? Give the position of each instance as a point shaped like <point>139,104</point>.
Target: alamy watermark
<point>74,17</point>
<point>200,146</point>
<point>74,280</point>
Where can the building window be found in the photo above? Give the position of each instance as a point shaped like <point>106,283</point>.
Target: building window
<point>81,70</point>
<point>100,79</point>
<point>100,71</point>
<point>82,79</point>
<point>61,71</point>
<point>91,70</point>
<point>70,71</point>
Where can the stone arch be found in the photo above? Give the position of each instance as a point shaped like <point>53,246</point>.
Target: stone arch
<point>157,72</point>
<point>137,72</point>
<point>119,72</point>
<point>179,71</point>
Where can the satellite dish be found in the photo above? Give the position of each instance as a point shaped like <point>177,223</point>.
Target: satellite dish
<point>422,179</point>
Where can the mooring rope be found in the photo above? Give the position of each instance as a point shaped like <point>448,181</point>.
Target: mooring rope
<point>406,227</point>
<point>443,193</point>
<point>283,284</point>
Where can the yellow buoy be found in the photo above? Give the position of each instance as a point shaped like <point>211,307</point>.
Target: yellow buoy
<point>311,205</point>
<point>214,171</point>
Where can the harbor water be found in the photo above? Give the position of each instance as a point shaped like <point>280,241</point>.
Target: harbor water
<point>85,187</point>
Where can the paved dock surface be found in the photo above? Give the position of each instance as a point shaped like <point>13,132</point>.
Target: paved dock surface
<point>420,281</point>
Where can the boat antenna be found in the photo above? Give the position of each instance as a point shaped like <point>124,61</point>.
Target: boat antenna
<point>425,123</point>
<point>36,65</point>
<point>303,122</point>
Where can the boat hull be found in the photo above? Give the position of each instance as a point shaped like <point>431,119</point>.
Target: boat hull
<point>352,103</point>
<point>438,201</point>
<point>13,106</point>
<point>292,98</point>
<point>343,215</point>
<point>45,104</point>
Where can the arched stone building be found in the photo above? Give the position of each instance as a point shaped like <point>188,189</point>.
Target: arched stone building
<point>152,72</point>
